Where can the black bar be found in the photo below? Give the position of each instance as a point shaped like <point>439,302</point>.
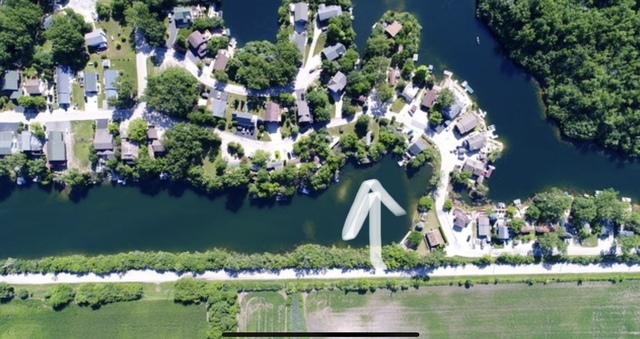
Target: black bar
<point>321,334</point>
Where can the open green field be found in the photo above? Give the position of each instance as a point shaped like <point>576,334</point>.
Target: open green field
<point>262,312</point>
<point>138,319</point>
<point>559,310</point>
<point>397,105</point>
<point>82,141</point>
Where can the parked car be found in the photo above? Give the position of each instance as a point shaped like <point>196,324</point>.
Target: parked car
<point>413,109</point>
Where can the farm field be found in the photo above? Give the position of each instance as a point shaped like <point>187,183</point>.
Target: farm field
<point>138,319</point>
<point>556,310</point>
<point>262,312</point>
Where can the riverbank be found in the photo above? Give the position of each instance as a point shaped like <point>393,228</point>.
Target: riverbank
<point>149,276</point>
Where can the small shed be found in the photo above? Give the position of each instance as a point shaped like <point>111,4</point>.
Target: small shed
<point>434,238</point>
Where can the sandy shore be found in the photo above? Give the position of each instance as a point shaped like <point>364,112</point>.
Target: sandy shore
<point>149,276</point>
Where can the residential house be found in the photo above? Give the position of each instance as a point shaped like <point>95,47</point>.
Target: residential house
<point>455,109</point>
<point>410,92</point>
<point>244,119</point>
<point>29,143</point>
<point>434,238</point>
<point>461,219</point>
<point>327,12</point>
<point>90,84</point>
<point>96,40</point>
<point>11,85</point>
<point>503,233</point>
<point>301,12</point>
<point>152,133</point>
<point>110,78</point>
<point>300,40</point>
<point>218,107</point>
<point>34,87</point>
<point>63,86</point>
<point>56,149</point>
<point>272,112</point>
<point>221,60</point>
<point>6,143</point>
<point>417,147</point>
<point>198,44</point>
<point>182,16</point>
<point>337,83</point>
<point>476,168</point>
<point>304,114</point>
<point>429,99</point>
<point>103,140</point>
<point>484,227</point>
<point>467,123</point>
<point>475,142</point>
<point>274,166</point>
<point>393,29</point>
<point>157,147</point>
<point>334,52</point>
<point>129,152</point>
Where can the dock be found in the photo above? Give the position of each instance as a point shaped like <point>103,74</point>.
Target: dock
<point>467,87</point>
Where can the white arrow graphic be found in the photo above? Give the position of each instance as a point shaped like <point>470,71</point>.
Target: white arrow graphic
<point>367,201</point>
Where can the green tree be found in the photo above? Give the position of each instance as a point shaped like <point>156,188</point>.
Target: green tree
<point>516,225</point>
<point>149,22</point>
<point>609,206</point>
<point>37,129</point>
<point>414,239</point>
<point>425,203</point>
<point>76,179</point>
<point>19,26</point>
<point>511,211</point>
<point>137,130</point>
<point>533,213</point>
<point>408,68</point>
<point>448,205</point>
<point>187,145</point>
<point>216,43</point>
<point>435,118</point>
<point>362,125</point>
<point>59,296</point>
<point>549,242</point>
<point>552,204</point>
<point>127,92</point>
<point>260,157</point>
<point>103,10</point>
<point>377,45</point>
<point>39,103</point>
<point>235,148</point>
<point>385,92</point>
<point>204,23</point>
<point>420,76</point>
<point>6,292</point>
<point>67,36</point>
<point>173,91</point>
<point>445,98</point>
<point>286,99</point>
<point>583,210</point>
<point>348,110</point>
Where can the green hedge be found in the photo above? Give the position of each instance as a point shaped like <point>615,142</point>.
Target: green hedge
<point>308,257</point>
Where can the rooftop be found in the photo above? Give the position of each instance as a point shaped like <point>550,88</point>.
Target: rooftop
<point>434,238</point>
<point>417,147</point>
<point>393,28</point>
<point>467,123</point>
<point>475,142</point>
<point>6,142</point>
<point>221,61</point>
<point>429,98</point>
<point>301,12</point>
<point>90,83</point>
<point>337,83</point>
<point>334,52</point>
<point>102,140</point>
<point>328,12</point>
<point>272,113</point>
<point>97,38</point>
<point>56,148</point>
<point>29,142</point>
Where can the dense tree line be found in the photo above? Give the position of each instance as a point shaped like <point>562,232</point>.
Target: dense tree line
<point>261,64</point>
<point>584,53</point>
<point>91,294</point>
<point>174,91</point>
<point>19,27</point>
<point>379,44</point>
<point>67,36</point>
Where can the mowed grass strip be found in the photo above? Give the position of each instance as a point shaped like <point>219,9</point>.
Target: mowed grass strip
<point>138,319</point>
<point>558,310</point>
<point>83,139</point>
<point>263,312</point>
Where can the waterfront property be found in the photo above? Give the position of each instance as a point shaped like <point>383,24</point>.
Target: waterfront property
<point>29,143</point>
<point>334,52</point>
<point>182,16</point>
<point>467,124</point>
<point>410,91</point>
<point>198,44</point>
<point>434,238</point>
<point>461,219</point>
<point>429,99</point>
<point>56,150</point>
<point>6,143</point>
<point>103,141</point>
<point>222,58</point>
<point>327,12</point>
<point>337,84</point>
<point>417,147</point>
<point>393,28</point>
<point>129,152</point>
<point>300,12</point>
<point>475,142</point>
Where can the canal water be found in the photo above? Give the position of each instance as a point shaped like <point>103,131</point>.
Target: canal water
<point>113,219</point>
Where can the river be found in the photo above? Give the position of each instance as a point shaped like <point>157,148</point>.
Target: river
<point>112,219</point>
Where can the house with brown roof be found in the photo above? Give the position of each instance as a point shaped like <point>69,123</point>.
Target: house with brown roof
<point>393,29</point>
<point>272,112</point>
<point>198,44</point>
<point>475,142</point>
<point>467,124</point>
<point>393,76</point>
<point>221,61</point>
<point>434,238</point>
<point>461,219</point>
<point>429,99</point>
<point>33,87</point>
<point>475,167</point>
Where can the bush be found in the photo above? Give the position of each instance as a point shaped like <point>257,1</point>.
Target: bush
<point>23,294</point>
<point>59,296</point>
<point>6,292</point>
<point>96,295</point>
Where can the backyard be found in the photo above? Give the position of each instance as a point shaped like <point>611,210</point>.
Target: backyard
<point>83,140</point>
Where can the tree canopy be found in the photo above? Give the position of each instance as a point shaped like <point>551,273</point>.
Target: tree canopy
<point>585,54</point>
<point>552,204</point>
<point>261,64</point>
<point>137,130</point>
<point>67,35</point>
<point>19,26</point>
<point>187,145</point>
<point>173,91</point>
<point>126,90</point>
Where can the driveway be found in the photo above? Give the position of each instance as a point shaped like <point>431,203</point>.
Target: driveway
<point>173,32</point>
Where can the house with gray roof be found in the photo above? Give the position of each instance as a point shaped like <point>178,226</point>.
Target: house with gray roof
<point>244,119</point>
<point>102,139</point>
<point>63,86</point>
<point>337,83</point>
<point>29,143</point>
<point>475,167</point>
<point>221,60</point>
<point>301,12</point>
<point>503,233</point>
<point>334,52</point>
<point>467,123</point>
<point>274,166</point>
<point>410,91</point>
<point>304,114</point>
<point>218,107</point>
<point>96,40</point>
<point>11,85</point>
<point>6,143</point>
<point>475,142</point>
<point>56,149</point>
<point>182,16</point>
<point>198,44</point>
<point>90,83</point>
<point>461,219</point>
<point>327,12</point>
<point>129,151</point>
<point>484,227</point>
<point>454,110</point>
<point>110,77</point>
<point>417,147</point>
<point>157,147</point>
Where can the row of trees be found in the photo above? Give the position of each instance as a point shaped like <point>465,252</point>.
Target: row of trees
<point>584,53</point>
<point>92,295</point>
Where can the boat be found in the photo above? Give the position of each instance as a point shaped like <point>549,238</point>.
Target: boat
<point>20,181</point>
<point>304,190</point>
<point>281,197</point>
<point>430,68</point>
<point>336,177</point>
<point>415,57</point>
<point>478,40</point>
<point>351,13</point>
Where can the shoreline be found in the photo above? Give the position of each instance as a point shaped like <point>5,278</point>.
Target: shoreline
<point>150,276</point>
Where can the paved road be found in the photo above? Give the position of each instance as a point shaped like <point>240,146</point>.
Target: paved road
<point>149,276</point>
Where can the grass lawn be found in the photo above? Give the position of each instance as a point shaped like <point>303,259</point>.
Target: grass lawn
<point>82,141</point>
<point>77,96</point>
<point>397,105</point>
<point>138,319</point>
<point>591,241</point>
<point>322,40</point>
<point>262,312</point>
<point>558,310</point>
